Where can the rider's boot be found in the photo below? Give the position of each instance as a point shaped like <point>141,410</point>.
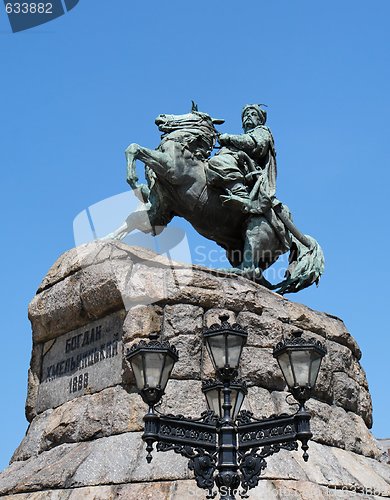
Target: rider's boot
<point>237,197</point>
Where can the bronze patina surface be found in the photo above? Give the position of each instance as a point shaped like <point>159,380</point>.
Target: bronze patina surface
<point>229,197</point>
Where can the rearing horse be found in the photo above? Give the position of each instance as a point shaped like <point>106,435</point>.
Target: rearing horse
<point>176,174</point>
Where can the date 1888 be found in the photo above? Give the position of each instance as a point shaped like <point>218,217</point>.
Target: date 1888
<point>78,383</point>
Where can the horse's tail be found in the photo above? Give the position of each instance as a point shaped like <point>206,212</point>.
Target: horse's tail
<point>306,265</point>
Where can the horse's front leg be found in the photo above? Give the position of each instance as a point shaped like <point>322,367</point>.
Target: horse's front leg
<point>142,191</point>
<point>140,219</point>
<point>131,156</point>
<point>159,161</point>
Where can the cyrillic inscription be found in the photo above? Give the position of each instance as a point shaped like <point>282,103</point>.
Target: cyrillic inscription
<point>83,361</point>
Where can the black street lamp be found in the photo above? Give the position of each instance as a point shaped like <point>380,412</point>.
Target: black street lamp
<point>300,361</point>
<point>213,390</point>
<point>152,364</point>
<point>224,439</point>
<point>224,343</point>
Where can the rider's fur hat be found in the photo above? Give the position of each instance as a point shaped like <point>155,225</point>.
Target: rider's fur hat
<point>261,112</point>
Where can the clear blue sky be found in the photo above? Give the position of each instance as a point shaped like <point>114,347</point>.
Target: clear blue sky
<point>76,91</point>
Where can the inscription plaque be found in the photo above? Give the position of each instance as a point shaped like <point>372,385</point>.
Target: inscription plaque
<point>82,361</point>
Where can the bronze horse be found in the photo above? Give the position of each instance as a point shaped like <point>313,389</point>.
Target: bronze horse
<point>176,174</point>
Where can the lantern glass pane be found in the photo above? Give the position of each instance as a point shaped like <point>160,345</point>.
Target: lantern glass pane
<point>154,363</point>
<point>301,361</point>
<point>138,370</point>
<point>213,401</point>
<point>169,362</point>
<point>233,397</point>
<point>315,368</point>
<point>285,366</point>
<point>234,346</point>
<point>217,350</point>
<point>237,400</point>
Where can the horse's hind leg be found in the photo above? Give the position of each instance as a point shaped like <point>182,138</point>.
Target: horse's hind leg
<point>260,241</point>
<point>261,249</point>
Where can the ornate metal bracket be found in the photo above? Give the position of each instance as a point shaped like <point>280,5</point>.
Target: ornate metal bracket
<point>198,440</point>
<point>201,462</point>
<point>255,433</point>
<point>253,463</point>
<point>195,439</point>
<point>277,429</point>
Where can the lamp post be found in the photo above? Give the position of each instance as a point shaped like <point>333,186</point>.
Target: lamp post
<point>226,447</point>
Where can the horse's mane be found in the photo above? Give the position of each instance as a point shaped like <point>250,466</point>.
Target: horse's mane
<point>199,136</point>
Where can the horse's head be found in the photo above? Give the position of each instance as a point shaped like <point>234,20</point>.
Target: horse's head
<point>193,120</point>
<point>196,124</point>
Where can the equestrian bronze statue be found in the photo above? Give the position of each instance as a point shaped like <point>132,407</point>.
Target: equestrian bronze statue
<point>228,197</point>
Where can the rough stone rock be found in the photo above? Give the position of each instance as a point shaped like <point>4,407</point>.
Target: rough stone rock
<point>258,366</point>
<point>326,325</point>
<point>57,310</point>
<point>107,461</point>
<point>148,285</point>
<point>208,290</point>
<point>341,359</point>
<point>33,381</point>
<point>300,316</point>
<point>115,459</point>
<point>182,319</point>
<point>144,491</point>
<point>186,490</point>
<point>80,258</point>
<point>97,252</point>
<point>259,401</point>
<point>324,385</point>
<point>346,391</point>
<point>82,297</point>
<point>212,316</point>
<point>332,425</point>
<point>365,407</point>
<point>90,447</point>
<point>111,411</point>
<point>141,321</point>
<point>190,352</point>
<point>242,294</point>
<point>183,397</point>
<point>349,395</point>
<point>100,292</point>
<point>263,330</point>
